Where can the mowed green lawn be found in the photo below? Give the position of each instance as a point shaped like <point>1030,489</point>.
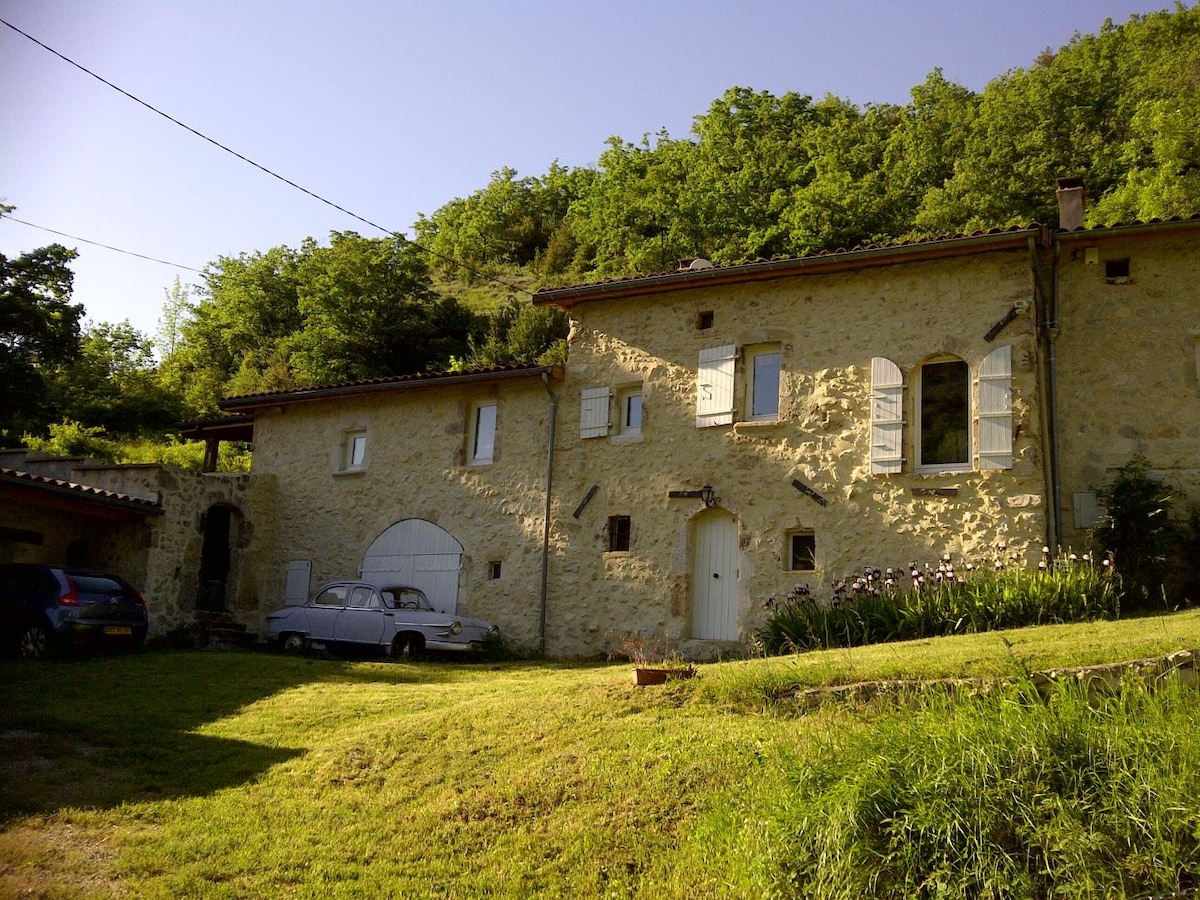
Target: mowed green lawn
<point>230,774</point>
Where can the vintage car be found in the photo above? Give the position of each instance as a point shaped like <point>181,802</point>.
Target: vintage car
<point>359,615</point>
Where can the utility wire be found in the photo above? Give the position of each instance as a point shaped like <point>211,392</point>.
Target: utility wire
<point>263,168</point>
<point>98,244</point>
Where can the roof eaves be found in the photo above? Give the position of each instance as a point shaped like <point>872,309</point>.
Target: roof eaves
<point>819,263</point>
<point>248,402</point>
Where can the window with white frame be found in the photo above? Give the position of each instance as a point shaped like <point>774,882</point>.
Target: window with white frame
<point>483,434</point>
<point>354,451</point>
<point>944,415</point>
<point>629,402</point>
<point>716,389</point>
<point>943,405</point>
<point>762,388</point>
<point>596,408</point>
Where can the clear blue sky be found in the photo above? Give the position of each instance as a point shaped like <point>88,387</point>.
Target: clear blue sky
<point>391,109</point>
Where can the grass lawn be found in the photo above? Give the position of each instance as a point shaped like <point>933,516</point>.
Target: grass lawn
<point>222,774</point>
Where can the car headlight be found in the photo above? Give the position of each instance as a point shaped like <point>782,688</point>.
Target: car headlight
<point>456,627</point>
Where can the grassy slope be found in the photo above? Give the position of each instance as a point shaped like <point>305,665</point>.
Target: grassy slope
<point>231,775</point>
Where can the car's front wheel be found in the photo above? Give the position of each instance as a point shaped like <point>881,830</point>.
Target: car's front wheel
<point>292,643</point>
<point>34,642</point>
<point>406,646</point>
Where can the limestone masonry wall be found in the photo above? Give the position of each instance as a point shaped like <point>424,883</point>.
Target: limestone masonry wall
<point>827,328</point>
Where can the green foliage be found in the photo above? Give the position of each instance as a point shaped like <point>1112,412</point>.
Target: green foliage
<point>39,329</point>
<point>1002,796</point>
<point>941,602</point>
<point>113,383</point>
<point>73,439</point>
<point>520,333</point>
<point>357,308</point>
<point>1138,530</point>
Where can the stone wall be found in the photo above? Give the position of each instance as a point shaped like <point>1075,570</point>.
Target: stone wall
<point>828,328</point>
<point>1128,382</point>
<point>415,468</point>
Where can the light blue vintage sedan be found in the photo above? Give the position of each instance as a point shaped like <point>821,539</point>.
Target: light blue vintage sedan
<point>358,615</point>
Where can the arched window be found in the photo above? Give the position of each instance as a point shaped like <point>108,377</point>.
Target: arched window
<point>944,415</point>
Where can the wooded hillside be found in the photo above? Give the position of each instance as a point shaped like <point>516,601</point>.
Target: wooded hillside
<point>759,175</point>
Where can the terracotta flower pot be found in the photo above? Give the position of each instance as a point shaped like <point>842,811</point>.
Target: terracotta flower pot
<point>643,676</point>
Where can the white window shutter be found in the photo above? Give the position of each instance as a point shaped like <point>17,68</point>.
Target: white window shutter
<point>887,417</point>
<point>593,414</point>
<point>995,410</point>
<point>714,386</point>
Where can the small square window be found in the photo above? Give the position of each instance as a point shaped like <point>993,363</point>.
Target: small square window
<point>493,570</point>
<point>802,552</point>
<point>618,533</point>
<point>704,320</point>
<point>1116,269</point>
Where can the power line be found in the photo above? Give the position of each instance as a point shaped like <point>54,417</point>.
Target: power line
<point>98,244</point>
<point>262,168</point>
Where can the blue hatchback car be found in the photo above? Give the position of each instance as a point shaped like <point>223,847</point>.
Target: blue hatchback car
<point>43,608</point>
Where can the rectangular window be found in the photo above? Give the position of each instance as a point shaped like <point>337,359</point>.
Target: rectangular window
<point>493,570</point>
<point>483,434</point>
<point>704,320</point>
<point>631,412</point>
<point>356,450</point>
<point>945,415</point>
<point>802,551</point>
<point>618,533</point>
<point>763,369</point>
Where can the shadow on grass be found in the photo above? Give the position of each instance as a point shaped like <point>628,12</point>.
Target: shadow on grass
<point>99,732</point>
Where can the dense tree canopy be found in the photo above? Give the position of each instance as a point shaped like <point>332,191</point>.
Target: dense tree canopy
<point>764,175</point>
<point>39,329</point>
<point>760,175</point>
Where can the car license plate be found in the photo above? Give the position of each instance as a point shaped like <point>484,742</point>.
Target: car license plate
<point>117,629</point>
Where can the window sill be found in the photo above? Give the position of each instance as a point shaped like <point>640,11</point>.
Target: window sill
<point>627,437</point>
<point>757,424</point>
<point>349,473</point>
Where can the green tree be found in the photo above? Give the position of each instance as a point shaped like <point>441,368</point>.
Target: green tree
<point>39,328</point>
<point>112,383</point>
<point>519,332</point>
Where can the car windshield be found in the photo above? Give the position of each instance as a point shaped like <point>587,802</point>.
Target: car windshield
<point>406,598</point>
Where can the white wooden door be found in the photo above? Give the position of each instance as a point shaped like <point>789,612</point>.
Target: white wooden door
<point>714,576</point>
<point>418,554</point>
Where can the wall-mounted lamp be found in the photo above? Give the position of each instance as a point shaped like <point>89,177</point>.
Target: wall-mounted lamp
<point>708,494</point>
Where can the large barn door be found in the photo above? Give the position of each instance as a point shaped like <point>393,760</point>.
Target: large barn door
<point>419,554</point>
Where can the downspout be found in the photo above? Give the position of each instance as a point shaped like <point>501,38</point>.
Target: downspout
<point>1047,307</point>
<point>1052,331</point>
<point>546,515</point>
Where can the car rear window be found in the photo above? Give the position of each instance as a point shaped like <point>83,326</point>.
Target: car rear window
<point>97,584</point>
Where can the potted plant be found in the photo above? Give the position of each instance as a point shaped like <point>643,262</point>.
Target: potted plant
<point>653,660</point>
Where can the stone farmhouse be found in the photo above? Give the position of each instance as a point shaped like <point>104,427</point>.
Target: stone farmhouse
<point>718,434</point>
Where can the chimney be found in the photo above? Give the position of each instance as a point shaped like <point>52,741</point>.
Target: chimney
<point>1070,203</point>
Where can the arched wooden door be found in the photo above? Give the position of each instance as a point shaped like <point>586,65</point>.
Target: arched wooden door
<point>419,554</point>
<point>714,547</point>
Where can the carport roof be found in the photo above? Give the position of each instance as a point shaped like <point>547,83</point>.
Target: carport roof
<point>68,495</point>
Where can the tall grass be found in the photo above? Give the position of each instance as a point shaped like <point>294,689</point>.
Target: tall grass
<point>1004,796</point>
<point>875,609</point>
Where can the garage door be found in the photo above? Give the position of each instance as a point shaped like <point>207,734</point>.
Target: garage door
<point>420,554</point>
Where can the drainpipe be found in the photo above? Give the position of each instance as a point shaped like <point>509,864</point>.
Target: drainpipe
<point>1047,331</point>
<point>1052,332</point>
<point>546,515</point>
